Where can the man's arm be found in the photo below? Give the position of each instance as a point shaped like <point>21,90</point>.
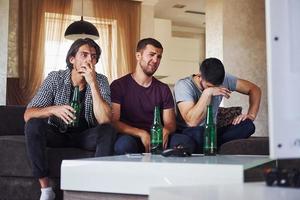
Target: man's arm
<point>41,104</point>
<point>193,113</point>
<point>169,124</point>
<point>127,129</point>
<point>101,108</point>
<point>254,93</point>
<point>64,112</point>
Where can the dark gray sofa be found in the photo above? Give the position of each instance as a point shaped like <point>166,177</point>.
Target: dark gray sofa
<point>16,181</point>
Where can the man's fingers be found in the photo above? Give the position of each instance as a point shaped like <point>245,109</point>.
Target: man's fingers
<point>239,118</point>
<point>88,66</point>
<point>147,147</point>
<point>227,95</point>
<point>145,138</point>
<point>67,114</point>
<point>165,143</point>
<point>244,117</point>
<point>225,92</point>
<point>69,110</point>
<point>66,117</point>
<point>71,115</point>
<point>221,91</point>
<point>236,120</point>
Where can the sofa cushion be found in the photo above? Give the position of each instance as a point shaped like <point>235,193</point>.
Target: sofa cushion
<point>249,146</point>
<point>13,157</point>
<point>12,120</point>
<point>14,160</point>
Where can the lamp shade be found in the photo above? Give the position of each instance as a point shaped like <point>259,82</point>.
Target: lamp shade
<point>81,29</point>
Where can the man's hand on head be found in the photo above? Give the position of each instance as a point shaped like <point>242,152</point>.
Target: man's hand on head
<point>88,72</point>
<point>217,91</point>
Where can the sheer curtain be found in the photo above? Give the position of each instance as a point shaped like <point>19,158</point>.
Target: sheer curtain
<point>118,23</point>
<point>57,19</point>
<point>119,41</point>
<point>31,42</point>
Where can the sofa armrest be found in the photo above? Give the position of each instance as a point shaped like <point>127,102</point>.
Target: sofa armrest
<point>249,146</point>
<point>12,120</point>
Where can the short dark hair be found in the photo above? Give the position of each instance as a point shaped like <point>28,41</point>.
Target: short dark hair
<point>75,47</point>
<point>212,70</point>
<point>144,42</point>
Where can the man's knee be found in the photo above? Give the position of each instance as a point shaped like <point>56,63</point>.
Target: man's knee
<point>240,131</point>
<point>248,127</point>
<point>107,131</point>
<point>125,144</point>
<point>181,139</point>
<point>35,123</point>
<point>33,126</point>
<point>195,133</point>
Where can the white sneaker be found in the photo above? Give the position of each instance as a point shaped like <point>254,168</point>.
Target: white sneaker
<point>47,194</point>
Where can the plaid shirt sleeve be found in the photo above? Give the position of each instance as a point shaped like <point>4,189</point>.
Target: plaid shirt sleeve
<point>45,95</point>
<point>104,88</point>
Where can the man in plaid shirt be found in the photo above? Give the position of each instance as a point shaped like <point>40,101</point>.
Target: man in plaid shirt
<point>48,114</point>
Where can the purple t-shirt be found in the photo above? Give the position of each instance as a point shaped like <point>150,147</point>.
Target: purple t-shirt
<point>138,102</point>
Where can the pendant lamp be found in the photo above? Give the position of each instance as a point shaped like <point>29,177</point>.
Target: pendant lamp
<point>81,29</point>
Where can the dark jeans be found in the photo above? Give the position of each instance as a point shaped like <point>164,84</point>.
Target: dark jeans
<point>39,135</point>
<point>225,134</point>
<point>130,144</point>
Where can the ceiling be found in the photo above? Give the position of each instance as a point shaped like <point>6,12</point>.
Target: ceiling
<point>165,9</point>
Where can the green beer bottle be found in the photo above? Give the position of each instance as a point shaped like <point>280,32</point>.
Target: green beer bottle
<point>75,103</point>
<point>210,135</point>
<point>156,145</point>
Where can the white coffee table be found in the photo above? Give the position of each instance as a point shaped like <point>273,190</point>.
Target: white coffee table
<point>136,174</point>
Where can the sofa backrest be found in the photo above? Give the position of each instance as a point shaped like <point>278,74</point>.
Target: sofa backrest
<point>12,120</point>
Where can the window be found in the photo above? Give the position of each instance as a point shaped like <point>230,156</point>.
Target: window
<point>56,46</point>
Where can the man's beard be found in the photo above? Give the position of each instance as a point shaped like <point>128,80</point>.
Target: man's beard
<point>149,73</point>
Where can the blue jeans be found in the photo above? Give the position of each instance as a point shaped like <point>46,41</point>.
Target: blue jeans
<point>130,144</point>
<point>224,134</point>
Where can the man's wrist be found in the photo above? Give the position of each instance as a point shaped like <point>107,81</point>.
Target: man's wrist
<point>166,131</point>
<point>252,116</point>
<point>93,84</point>
<point>207,92</point>
<point>141,133</point>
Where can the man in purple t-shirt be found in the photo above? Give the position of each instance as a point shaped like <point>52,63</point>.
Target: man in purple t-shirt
<point>134,97</point>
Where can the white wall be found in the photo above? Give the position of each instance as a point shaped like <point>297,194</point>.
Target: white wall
<point>235,33</point>
<point>4,17</point>
<point>180,56</point>
<point>184,47</point>
<point>244,47</point>
<point>191,32</point>
<point>214,28</point>
<point>147,20</point>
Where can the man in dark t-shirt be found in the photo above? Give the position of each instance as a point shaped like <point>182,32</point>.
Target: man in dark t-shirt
<point>134,97</point>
